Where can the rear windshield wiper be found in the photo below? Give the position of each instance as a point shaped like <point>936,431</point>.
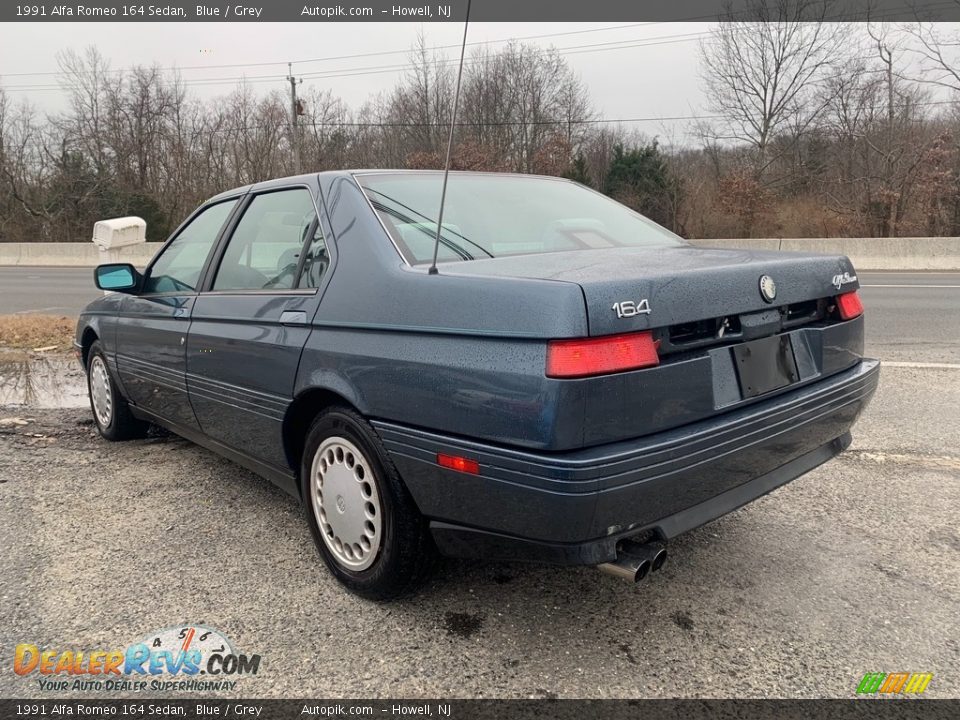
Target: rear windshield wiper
<point>446,242</point>
<point>427,220</point>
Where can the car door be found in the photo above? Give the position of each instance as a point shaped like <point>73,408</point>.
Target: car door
<point>251,322</point>
<point>152,327</point>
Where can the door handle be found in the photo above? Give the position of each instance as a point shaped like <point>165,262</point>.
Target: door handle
<point>293,317</point>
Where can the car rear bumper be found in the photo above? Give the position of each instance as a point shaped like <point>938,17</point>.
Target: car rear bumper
<point>573,507</point>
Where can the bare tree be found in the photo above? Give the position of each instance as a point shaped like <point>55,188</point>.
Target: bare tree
<point>422,104</point>
<point>761,68</point>
<point>937,47</point>
<point>326,141</point>
<point>874,118</point>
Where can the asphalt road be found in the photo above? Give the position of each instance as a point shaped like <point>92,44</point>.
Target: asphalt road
<point>911,317</point>
<point>49,290</point>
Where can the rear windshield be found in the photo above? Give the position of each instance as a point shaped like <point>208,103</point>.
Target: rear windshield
<point>489,216</point>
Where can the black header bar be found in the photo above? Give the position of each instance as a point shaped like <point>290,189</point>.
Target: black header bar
<point>452,11</point>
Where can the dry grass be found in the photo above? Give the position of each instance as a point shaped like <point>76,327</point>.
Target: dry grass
<point>32,332</point>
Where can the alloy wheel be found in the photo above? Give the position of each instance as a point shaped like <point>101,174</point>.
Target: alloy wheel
<point>346,503</point>
<point>101,393</point>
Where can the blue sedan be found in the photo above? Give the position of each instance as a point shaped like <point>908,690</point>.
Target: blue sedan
<point>546,376</point>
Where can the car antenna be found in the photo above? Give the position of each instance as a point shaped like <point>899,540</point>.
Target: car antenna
<point>453,124</point>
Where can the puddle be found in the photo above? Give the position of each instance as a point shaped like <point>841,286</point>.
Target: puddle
<point>41,381</point>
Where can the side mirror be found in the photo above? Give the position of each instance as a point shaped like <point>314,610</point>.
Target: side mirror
<point>119,277</point>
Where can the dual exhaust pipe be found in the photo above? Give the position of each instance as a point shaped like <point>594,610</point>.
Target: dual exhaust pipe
<point>635,560</point>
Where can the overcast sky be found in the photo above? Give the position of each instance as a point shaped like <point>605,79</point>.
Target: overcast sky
<point>656,80</point>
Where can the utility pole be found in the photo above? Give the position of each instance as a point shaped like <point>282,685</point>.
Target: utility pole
<point>294,112</point>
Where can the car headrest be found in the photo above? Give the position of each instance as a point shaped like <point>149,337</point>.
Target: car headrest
<point>288,257</point>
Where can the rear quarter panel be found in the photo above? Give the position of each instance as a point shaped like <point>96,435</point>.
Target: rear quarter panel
<point>460,355</point>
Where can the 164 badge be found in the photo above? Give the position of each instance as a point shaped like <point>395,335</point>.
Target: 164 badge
<point>186,657</point>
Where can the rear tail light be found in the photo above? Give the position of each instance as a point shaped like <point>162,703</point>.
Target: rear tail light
<point>849,305</point>
<point>600,356</point>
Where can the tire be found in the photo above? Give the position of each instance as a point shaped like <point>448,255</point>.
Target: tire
<point>111,412</point>
<point>364,522</point>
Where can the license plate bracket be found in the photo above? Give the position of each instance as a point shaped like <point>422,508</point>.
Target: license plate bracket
<point>765,365</point>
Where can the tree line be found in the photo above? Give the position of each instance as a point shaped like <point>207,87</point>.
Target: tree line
<point>812,128</point>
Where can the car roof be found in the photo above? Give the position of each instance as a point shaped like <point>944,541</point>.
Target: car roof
<point>329,174</point>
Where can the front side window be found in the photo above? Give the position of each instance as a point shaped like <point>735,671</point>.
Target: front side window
<point>489,215</point>
<point>178,267</point>
<point>264,251</point>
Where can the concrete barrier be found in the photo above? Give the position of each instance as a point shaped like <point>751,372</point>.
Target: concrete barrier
<point>74,254</point>
<point>919,253</point>
<point>752,244</point>
<point>10,253</point>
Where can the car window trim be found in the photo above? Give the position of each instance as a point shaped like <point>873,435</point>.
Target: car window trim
<point>302,260</point>
<point>305,292</point>
<point>329,240</point>
<point>206,285</point>
<point>176,233</point>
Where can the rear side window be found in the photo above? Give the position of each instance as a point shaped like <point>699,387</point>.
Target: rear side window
<point>178,266</point>
<point>264,251</point>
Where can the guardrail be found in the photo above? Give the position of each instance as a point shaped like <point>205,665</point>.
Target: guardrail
<point>919,253</point>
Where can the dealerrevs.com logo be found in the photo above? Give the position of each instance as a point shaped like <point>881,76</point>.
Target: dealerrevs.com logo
<point>187,658</point>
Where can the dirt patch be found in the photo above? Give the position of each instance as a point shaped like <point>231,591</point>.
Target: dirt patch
<point>35,332</point>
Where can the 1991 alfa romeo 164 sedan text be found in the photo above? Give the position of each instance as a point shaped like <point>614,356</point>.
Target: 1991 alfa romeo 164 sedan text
<point>575,385</point>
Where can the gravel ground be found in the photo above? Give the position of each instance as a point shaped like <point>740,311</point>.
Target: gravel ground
<point>853,568</point>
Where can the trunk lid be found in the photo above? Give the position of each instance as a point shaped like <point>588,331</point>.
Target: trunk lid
<point>677,285</point>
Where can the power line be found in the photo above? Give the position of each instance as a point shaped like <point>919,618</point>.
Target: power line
<point>570,50</point>
<point>351,56</point>
<point>504,123</point>
<point>515,123</point>
<point>481,42</point>
<point>378,69</point>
